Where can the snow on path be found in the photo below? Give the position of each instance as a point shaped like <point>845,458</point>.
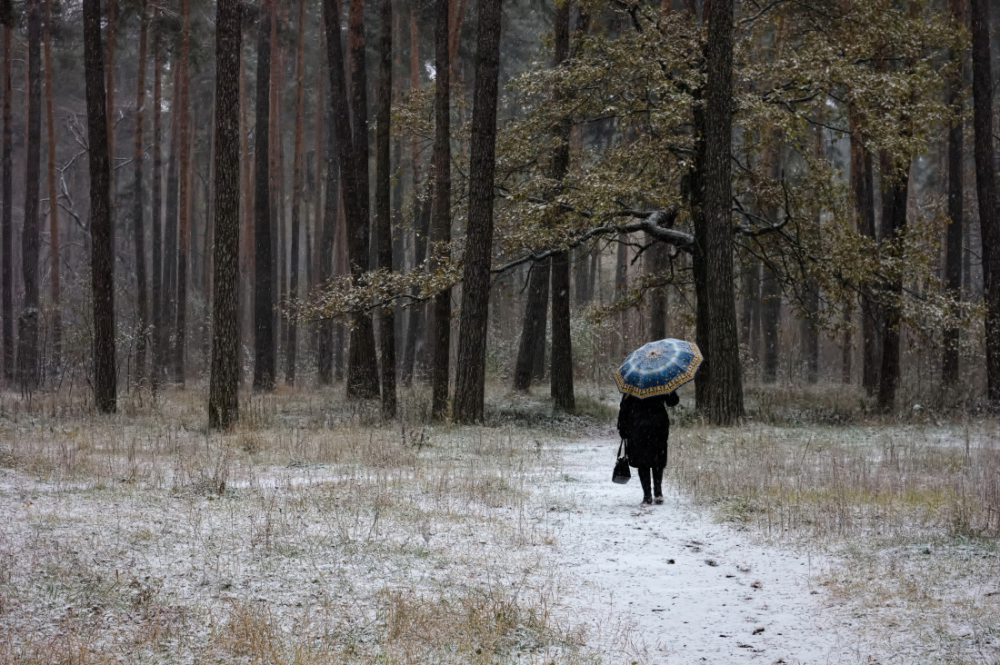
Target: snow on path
<point>690,590</point>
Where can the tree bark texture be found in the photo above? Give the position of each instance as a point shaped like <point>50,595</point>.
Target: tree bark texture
<point>156,295</point>
<point>441,216</point>
<point>989,224</point>
<point>863,188</point>
<point>138,227</point>
<point>362,363</point>
<point>291,347</point>
<point>170,228</point>
<point>102,251</point>
<point>726,382</point>
<point>223,401</point>
<point>184,195</point>
<point>383,205</point>
<point>324,351</point>
<point>264,351</point>
<point>894,228</point>
<point>7,230</point>
<point>54,249</point>
<point>533,327</point>
<point>417,311</point>
<point>470,380</point>
<point>561,369</point>
<point>953,237</point>
<point>30,309</point>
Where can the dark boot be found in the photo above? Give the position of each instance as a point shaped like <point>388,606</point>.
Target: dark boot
<point>658,485</point>
<point>644,473</point>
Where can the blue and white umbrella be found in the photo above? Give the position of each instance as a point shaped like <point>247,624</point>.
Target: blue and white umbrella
<point>658,368</point>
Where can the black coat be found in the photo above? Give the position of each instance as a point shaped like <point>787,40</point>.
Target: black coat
<point>645,426</point>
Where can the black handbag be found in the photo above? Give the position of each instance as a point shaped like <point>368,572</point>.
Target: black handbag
<point>622,474</point>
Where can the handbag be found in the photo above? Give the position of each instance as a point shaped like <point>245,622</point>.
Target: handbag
<point>621,474</point>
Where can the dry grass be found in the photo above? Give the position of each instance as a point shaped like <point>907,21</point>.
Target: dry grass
<point>311,534</point>
<point>906,512</point>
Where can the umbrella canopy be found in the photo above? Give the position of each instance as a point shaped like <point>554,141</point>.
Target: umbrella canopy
<point>658,368</point>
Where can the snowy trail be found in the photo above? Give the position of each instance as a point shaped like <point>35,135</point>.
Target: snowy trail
<point>692,591</point>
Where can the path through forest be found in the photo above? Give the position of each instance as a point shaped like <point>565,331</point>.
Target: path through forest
<point>667,585</point>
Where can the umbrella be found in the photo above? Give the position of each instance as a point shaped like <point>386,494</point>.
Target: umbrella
<point>658,368</point>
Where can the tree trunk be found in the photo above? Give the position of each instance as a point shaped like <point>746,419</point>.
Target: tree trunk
<point>750,322</point>
<point>621,290</point>
<point>726,383</point>
<point>362,364</point>
<point>324,351</point>
<point>170,232</point>
<point>863,189</point>
<point>533,327</point>
<point>810,322</point>
<point>112,42</point>
<point>953,237</point>
<point>293,278</point>
<point>471,366</point>
<point>55,261</point>
<point>102,251</point>
<point>893,229</point>
<point>989,224</point>
<point>264,365</point>
<point>441,218</point>
<point>770,323</point>
<point>561,369</point>
<point>657,265</point>
<point>383,206</point>
<point>847,345</point>
<point>184,198</point>
<point>355,208</point>
<point>157,210</point>
<point>138,228</point>
<point>416,328</point>
<point>223,401</point>
<point>417,311</point>
<point>28,322</point>
<point>7,230</point>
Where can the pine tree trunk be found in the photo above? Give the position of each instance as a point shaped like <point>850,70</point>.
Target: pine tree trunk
<point>112,42</point>
<point>621,290</point>
<point>441,217</point>
<point>27,355</point>
<point>470,380</point>
<point>102,251</point>
<point>184,196</point>
<point>157,212</point>
<point>416,328</point>
<point>325,348</point>
<point>246,219</point>
<point>726,383</point>
<point>847,344</point>
<point>362,364</point>
<point>223,402</point>
<point>894,227</point>
<point>170,232</point>
<point>770,322</point>
<point>138,228</point>
<point>862,184</point>
<point>561,369</point>
<point>7,230</point>
<point>417,311</point>
<point>989,224</point>
<point>383,206</point>
<point>657,263</point>
<point>264,365</point>
<point>291,347</point>
<point>953,236</point>
<point>533,327</point>
<point>56,264</point>
<point>750,322</point>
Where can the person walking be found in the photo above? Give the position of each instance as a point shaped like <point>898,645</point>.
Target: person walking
<point>645,427</point>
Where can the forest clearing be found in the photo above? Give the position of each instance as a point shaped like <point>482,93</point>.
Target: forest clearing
<point>349,331</point>
<point>319,535</point>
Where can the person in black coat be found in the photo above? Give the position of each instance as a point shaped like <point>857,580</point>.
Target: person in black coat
<point>645,426</point>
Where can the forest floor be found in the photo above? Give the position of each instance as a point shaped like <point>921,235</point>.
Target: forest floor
<point>315,534</point>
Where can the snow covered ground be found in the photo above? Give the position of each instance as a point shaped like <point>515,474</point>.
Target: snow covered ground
<point>689,590</point>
